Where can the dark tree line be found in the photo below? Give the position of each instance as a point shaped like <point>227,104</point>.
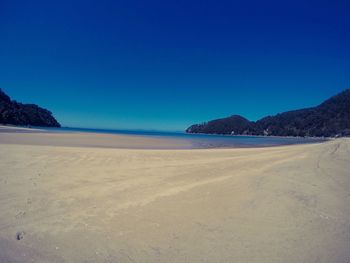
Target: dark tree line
<point>329,119</point>
<point>15,113</point>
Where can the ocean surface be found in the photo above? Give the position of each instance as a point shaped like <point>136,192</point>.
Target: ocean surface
<point>200,141</point>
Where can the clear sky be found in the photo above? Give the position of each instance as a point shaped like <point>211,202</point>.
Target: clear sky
<point>167,64</point>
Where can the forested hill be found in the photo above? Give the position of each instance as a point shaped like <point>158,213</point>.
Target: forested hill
<point>15,113</point>
<point>329,119</point>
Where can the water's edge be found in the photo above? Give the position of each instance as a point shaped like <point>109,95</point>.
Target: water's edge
<point>201,141</point>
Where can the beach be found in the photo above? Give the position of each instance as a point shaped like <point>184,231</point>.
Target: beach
<point>68,199</point>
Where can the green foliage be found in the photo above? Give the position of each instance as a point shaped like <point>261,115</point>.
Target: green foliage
<point>15,113</point>
<point>329,119</point>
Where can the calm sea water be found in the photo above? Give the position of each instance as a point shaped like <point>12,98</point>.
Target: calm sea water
<point>202,140</point>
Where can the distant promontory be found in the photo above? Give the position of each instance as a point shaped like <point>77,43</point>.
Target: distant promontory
<point>329,119</point>
<point>15,113</point>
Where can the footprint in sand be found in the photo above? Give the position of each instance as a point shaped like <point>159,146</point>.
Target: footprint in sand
<point>20,214</point>
<point>20,235</point>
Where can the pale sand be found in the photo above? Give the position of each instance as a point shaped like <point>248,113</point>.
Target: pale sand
<point>81,204</point>
<point>16,128</point>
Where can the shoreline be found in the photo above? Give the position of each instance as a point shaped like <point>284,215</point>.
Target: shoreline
<point>265,136</point>
<point>122,132</point>
<point>85,138</point>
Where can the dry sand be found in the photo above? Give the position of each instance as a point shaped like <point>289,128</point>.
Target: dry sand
<point>81,204</point>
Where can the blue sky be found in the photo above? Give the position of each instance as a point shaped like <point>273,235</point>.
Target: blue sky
<point>167,64</point>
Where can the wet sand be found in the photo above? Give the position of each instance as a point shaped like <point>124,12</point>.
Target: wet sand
<point>92,204</point>
<point>25,136</point>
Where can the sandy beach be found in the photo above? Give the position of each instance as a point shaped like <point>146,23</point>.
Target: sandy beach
<point>99,204</point>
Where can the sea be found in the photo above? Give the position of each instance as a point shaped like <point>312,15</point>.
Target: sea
<point>202,141</point>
